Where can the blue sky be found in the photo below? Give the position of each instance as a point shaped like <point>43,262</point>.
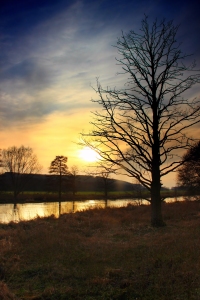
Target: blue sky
<point>51,54</point>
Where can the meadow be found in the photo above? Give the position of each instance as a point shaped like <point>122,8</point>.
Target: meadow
<point>106,254</point>
<point>39,196</point>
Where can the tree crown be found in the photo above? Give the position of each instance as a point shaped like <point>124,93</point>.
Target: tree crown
<point>142,127</point>
<point>59,166</point>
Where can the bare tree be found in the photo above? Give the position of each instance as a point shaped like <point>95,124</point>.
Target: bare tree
<point>103,170</point>
<point>189,172</point>
<point>59,167</point>
<point>142,127</point>
<point>20,162</point>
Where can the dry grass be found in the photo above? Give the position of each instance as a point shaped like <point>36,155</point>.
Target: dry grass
<point>5,294</point>
<point>104,254</point>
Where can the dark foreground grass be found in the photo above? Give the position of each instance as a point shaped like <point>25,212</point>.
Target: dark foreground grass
<point>104,254</point>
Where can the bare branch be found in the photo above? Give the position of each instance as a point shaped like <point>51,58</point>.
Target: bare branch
<point>141,127</point>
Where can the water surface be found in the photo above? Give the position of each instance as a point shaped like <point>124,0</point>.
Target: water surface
<point>29,211</point>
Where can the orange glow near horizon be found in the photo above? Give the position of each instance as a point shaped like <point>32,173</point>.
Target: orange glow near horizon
<point>58,134</point>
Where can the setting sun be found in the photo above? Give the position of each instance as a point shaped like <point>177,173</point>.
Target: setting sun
<point>88,154</point>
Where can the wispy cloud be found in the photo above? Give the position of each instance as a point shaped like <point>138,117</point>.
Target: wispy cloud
<point>53,67</point>
<point>51,55</point>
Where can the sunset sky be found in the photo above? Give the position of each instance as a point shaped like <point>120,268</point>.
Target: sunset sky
<point>52,51</point>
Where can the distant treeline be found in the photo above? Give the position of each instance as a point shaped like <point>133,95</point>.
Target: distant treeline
<point>49,183</point>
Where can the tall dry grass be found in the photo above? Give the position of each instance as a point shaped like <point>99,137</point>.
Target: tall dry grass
<point>108,253</point>
<point>5,293</point>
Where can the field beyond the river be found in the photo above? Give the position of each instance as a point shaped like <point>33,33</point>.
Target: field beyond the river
<point>105,254</point>
<point>28,196</point>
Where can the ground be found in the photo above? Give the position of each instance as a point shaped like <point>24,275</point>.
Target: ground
<point>104,254</point>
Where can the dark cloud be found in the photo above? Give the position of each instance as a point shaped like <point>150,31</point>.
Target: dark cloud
<point>22,15</point>
<point>26,111</point>
<point>31,71</point>
<point>52,51</point>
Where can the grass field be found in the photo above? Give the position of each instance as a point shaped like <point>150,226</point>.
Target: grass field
<point>103,254</point>
<point>28,196</point>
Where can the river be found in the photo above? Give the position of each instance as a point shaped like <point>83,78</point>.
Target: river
<point>29,211</point>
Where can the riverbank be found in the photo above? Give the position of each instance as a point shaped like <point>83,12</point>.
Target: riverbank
<point>35,197</point>
<point>104,254</point>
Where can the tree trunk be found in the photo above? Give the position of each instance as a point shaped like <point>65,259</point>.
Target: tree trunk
<point>156,206</point>
<point>156,209</point>
<point>59,209</point>
<point>105,188</point>
<point>74,186</point>
<point>59,192</point>
<point>15,195</point>
<point>156,203</point>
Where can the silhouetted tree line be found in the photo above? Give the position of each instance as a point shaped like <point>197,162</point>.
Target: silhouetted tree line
<point>48,183</point>
<point>21,167</point>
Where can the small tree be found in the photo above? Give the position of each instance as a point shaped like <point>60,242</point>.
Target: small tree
<point>189,172</point>
<point>103,170</point>
<point>73,176</point>
<point>19,162</point>
<point>142,127</point>
<point>59,167</point>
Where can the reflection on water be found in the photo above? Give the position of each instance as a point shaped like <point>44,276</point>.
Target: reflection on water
<point>29,211</point>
